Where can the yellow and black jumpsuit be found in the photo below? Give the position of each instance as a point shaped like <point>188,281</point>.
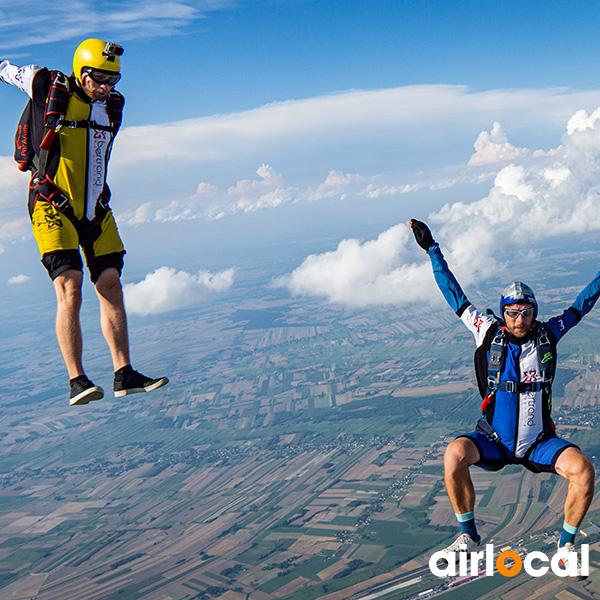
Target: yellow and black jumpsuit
<point>76,170</point>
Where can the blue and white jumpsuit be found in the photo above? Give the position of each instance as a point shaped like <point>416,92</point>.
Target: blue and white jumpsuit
<point>521,420</point>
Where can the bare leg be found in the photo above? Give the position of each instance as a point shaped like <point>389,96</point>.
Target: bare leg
<point>576,467</point>
<point>68,328</point>
<point>460,455</point>
<point>113,317</point>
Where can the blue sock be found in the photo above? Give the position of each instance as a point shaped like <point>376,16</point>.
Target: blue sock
<point>568,534</point>
<point>467,525</point>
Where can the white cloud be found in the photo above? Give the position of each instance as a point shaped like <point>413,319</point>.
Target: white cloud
<point>271,191</point>
<point>247,195</point>
<point>77,19</point>
<point>493,147</point>
<point>394,138</point>
<point>405,116</point>
<point>527,202</point>
<point>17,279</point>
<point>16,229</point>
<point>337,185</point>
<point>167,289</point>
<point>537,201</point>
<point>13,189</point>
<point>358,274</point>
<point>582,121</point>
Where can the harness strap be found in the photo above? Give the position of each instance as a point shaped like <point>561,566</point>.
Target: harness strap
<point>485,427</point>
<point>48,192</point>
<point>56,107</point>
<point>71,124</point>
<point>522,387</point>
<point>496,358</point>
<point>546,356</point>
<point>57,104</point>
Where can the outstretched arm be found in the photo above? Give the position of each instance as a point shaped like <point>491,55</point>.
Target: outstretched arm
<point>21,77</point>
<point>588,297</point>
<point>571,316</point>
<point>444,278</point>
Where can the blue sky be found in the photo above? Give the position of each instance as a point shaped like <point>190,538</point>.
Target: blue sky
<point>272,122</point>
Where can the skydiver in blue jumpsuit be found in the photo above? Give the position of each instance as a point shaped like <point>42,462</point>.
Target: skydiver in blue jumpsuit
<point>512,366</point>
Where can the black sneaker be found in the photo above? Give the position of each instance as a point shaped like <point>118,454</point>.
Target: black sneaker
<point>132,382</point>
<point>84,391</point>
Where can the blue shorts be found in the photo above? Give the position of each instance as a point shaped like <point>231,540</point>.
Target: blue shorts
<point>541,459</point>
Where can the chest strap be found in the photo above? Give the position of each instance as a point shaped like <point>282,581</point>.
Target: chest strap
<point>497,356</point>
<point>519,387</point>
<point>71,124</point>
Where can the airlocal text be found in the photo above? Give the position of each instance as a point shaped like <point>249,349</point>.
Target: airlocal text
<point>535,564</point>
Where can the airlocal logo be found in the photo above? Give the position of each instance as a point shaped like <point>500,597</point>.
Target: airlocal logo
<point>534,563</point>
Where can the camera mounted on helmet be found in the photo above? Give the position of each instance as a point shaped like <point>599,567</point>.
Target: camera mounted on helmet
<point>112,50</point>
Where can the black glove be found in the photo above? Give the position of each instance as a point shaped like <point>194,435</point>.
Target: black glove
<point>422,234</point>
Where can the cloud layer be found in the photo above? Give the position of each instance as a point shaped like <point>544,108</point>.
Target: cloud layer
<point>247,195</point>
<point>383,136</point>
<point>347,118</point>
<point>167,289</point>
<point>527,202</point>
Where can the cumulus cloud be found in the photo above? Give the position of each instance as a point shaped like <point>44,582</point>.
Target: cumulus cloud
<point>492,147</point>
<point>392,120</point>
<point>247,195</point>
<point>358,274</point>
<point>527,202</point>
<point>167,289</point>
<point>17,279</point>
<point>539,201</point>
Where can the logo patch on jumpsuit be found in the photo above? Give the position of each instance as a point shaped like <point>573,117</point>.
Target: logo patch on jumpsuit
<point>53,221</point>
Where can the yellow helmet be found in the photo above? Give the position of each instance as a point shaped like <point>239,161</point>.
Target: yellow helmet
<point>97,54</point>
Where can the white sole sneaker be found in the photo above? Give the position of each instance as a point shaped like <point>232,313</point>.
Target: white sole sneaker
<point>89,395</point>
<point>138,390</point>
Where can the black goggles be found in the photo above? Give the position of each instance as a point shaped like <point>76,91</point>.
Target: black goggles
<point>514,314</point>
<point>102,77</point>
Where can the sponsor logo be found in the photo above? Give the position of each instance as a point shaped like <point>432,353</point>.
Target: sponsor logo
<point>531,412</point>
<point>508,563</point>
<point>478,323</point>
<point>53,221</point>
<point>98,152</point>
<point>547,357</point>
<point>21,138</point>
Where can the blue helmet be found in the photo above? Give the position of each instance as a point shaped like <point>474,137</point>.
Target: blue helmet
<point>517,291</point>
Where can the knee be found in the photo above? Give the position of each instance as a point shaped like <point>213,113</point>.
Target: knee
<point>456,456</point>
<point>109,284</point>
<point>579,469</point>
<point>68,290</point>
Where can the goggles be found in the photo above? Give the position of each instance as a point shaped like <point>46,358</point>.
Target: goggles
<point>102,77</point>
<point>514,314</point>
